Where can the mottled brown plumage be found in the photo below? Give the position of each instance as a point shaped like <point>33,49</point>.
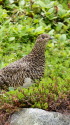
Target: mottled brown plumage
<point>30,67</point>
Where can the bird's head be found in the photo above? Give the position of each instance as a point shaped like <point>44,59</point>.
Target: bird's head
<point>41,42</point>
<point>44,37</point>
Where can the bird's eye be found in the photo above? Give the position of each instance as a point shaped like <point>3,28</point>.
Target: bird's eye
<point>43,37</point>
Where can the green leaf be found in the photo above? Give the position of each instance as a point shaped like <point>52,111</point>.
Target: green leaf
<point>40,3</point>
<point>62,37</point>
<point>11,38</point>
<point>39,29</point>
<point>51,32</point>
<point>61,12</point>
<point>59,26</point>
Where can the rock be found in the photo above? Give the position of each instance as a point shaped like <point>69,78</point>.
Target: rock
<point>34,116</point>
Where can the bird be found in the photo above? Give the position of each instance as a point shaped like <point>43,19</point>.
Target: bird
<point>25,70</point>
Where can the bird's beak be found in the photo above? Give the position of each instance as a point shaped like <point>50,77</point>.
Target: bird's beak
<point>51,38</point>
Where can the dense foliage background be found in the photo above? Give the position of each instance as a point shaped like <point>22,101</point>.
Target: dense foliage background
<point>21,21</point>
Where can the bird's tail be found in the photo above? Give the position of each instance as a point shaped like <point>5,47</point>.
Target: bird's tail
<point>2,83</point>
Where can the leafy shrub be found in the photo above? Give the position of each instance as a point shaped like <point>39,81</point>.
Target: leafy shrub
<point>20,24</point>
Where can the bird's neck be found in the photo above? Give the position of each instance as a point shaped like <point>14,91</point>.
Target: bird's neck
<point>38,49</point>
<point>38,54</point>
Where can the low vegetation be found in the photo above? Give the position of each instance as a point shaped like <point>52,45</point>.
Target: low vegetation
<point>20,23</point>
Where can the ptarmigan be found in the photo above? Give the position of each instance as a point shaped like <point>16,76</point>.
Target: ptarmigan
<point>28,68</point>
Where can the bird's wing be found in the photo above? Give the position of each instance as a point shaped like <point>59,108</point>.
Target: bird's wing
<point>16,67</point>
